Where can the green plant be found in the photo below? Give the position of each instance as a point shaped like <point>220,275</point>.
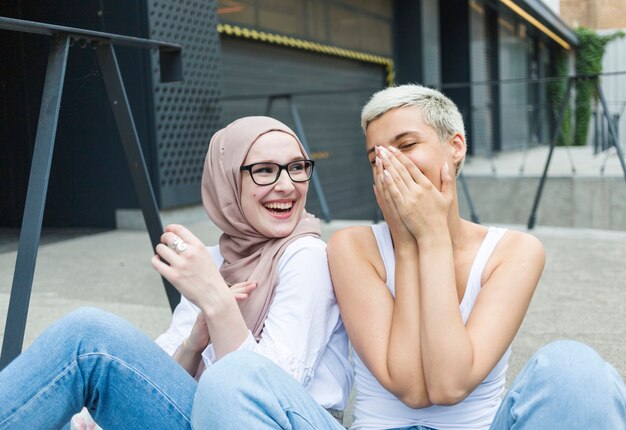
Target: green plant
<point>556,91</point>
<point>589,56</point>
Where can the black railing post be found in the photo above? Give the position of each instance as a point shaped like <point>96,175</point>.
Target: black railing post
<point>35,200</point>
<point>170,62</point>
<point>532,219</point>
<point>134,156</point>
<point>611,125</point>
<point>315,177</point>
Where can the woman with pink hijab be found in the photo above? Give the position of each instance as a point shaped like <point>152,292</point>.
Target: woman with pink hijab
<point>265,289</point>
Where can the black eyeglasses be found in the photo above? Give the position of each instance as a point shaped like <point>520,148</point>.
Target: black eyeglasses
<point>268,173</point>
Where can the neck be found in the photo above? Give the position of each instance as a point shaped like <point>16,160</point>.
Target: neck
<point>458,227</point>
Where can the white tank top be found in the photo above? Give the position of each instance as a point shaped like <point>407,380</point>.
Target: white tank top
<point>377,408</point>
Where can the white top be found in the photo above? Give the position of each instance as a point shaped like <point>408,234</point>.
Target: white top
<point>377,408</point>
<point>303,331</point>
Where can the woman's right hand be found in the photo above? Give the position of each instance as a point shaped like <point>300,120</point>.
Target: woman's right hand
<point>199,337</point>
<point>399,232</point>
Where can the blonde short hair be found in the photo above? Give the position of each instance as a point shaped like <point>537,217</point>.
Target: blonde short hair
<point>438,110</point>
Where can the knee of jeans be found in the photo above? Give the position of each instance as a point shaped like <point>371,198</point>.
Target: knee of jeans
<point>88,322</point>
<point>231,375</point>
<point>564,360</point>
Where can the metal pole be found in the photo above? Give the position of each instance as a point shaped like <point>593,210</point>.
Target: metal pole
<point>533,134</point>
<point>596,131</point>
<point>268,105</point>
<point>35,200</point>
<point>533,214</point>
<point>611,124</point>
<point>314,178</point>
<point>132,148</point>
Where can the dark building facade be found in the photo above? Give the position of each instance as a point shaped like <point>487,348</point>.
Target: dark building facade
<point>321,59</point>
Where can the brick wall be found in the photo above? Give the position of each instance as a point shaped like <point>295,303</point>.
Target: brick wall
<point>596,14</point>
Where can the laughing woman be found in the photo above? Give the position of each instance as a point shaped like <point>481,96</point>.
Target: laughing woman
<point>432,302</point>
<point>254,189</point>
<point>445,297</point>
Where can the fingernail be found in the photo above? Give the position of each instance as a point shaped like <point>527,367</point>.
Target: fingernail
<point>393,149</point>
<point>446,167</point>
<point>387,174</point>
<point>383,153</point>
<point>377,161</point>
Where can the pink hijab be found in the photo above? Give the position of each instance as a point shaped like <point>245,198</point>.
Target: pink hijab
<point>248,255</point>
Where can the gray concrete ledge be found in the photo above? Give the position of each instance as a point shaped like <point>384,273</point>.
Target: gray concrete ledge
<point>570,201</point>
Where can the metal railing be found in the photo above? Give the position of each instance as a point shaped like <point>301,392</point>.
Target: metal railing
<point>62,38</point>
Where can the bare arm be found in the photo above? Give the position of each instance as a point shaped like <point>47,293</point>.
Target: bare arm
<point>385,333</point>
<point>457,357</point>
<point>188,354</point>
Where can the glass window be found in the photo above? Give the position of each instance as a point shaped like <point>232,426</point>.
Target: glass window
<point>351,29</point>
<point>363,25</point>
<point>344,27</point>
<point>379,7</point>
<point>239,11</point>
<point>375,35</point>
<point>316,20</point>
<point>282,16</point>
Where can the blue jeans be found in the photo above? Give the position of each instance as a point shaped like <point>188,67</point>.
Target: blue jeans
<point>94,359</point>
<point>245,390</point>
<point>565,385</point>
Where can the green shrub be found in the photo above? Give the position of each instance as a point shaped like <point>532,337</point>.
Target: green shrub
<point>589,56</point>
<point>556,91</point>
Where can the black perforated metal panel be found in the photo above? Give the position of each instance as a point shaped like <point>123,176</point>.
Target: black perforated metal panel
<point>186,113</point>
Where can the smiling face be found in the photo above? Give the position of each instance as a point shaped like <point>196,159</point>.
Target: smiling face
<point>404,128</point>
<point>273,210</point>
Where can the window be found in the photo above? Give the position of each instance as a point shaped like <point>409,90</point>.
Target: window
<point>362,25</point>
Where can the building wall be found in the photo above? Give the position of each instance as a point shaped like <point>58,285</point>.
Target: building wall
<point>90,178</point>
<point>614,85</point>
<point>320,53</point>
<point>554,5</point>
<point>596,14</point>
<point>514,92</point>
<point>327,93</point>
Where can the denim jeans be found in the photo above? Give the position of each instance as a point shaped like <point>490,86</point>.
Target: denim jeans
<point>245,390</point>
<point>94,359</point>
<point>565,385</point>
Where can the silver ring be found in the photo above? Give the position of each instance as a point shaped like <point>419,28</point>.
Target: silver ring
<point>178,245</point>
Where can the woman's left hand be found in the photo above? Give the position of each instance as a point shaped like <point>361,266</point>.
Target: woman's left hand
<point>184,261</point>
<point>423,208</point>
